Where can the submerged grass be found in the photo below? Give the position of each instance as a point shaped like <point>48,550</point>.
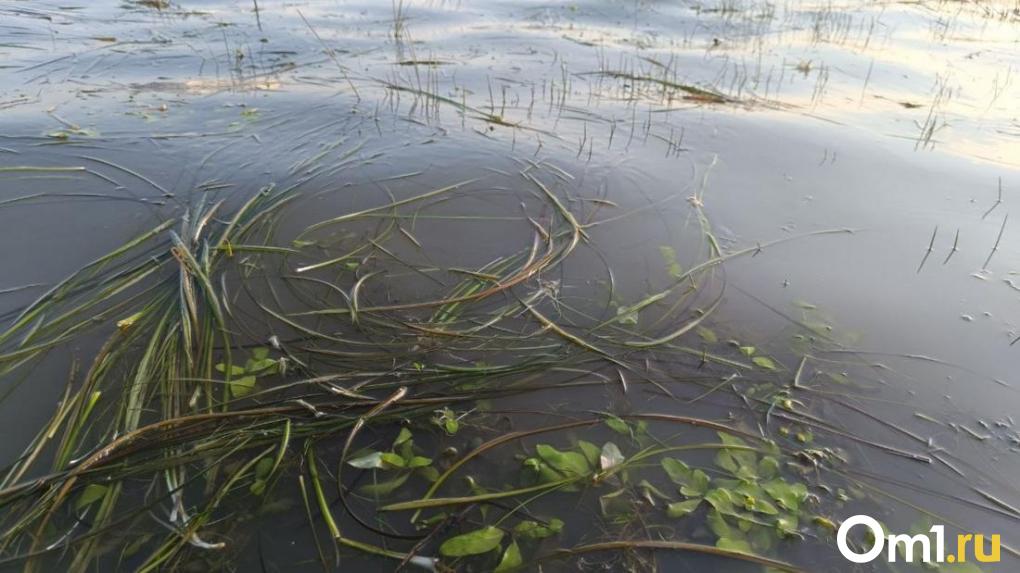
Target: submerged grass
<point>205,401</point>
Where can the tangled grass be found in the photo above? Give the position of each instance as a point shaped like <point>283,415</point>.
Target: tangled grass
<point>241,360</point>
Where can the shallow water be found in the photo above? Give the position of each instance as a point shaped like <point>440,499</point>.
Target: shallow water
<point>896,121</point>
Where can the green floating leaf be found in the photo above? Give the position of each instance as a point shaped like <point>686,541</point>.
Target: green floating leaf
<point>721,500</point>
<point>693,483</point>
<point>570,463</point>
<point>726,461</point>
<point>404,436</point>
<point>762,539</point>
<point>511,559</point>
<point>591,452</point>
<point>234,370</point>
<point>262,366</point>
<point>263,467</point>
<point>91,494</point>
<point>536,530</point>
<point>682,508</point>
<point>391,460</point>
<point>618,425</point>
<point>677,471</point>
<point>788,495</point>
<point>242,386</point>
<point>760,505</point>
<point>786,525</point>
<point>717,523</point>
<point>825,523</point>
<point>764,362</point>
<point>768,467</point>
<point>731,544</point>
<point>739,461</point>
<point>419,462</point>
<point>429,473</point>
<point>697,486</point>
<point>475,542</point>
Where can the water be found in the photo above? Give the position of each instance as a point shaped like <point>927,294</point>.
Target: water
<point>897,122</point>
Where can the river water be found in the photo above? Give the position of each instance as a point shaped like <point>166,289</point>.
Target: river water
<point>872,150</point>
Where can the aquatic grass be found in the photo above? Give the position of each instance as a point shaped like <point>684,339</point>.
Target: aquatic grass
<point>202,401</point>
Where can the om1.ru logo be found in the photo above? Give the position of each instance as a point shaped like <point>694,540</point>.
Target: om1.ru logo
<point>909,544</point>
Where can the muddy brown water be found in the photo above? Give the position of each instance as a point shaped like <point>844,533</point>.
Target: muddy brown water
<point>899,122</point>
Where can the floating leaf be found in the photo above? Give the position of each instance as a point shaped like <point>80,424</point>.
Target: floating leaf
<point>677,471</point>
<point>786,525</point>
<point>788,495</point>
<point>536,530</point>
<point>476,542</point>
<point>91,494</point>
<point>430,473</point>
<point>768,467</point>
<point>824,523</point>
<point>242,386</point>
<point>721,500</point>
<point>618,425</point>
<point>570,463</point>
<point>718,524</point>
<point>764,362</point>
<point>368,461</point>
<point>682,508</point>
<point>419,462</point>
<point>730,544</point>
<point>261,366</point>
<point>391,460</point>
<point>747,350</point>
<point>739,460</point>
<point>511,559</point>
<point>761,505</point>
<point>726,461</point>
<point>762,539</point>
<point>234,370</point>
<point>263,467</point>
<point>591,452</point>
<point>404,436</point>
<point>611,456</point>
<point>697,486</point>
